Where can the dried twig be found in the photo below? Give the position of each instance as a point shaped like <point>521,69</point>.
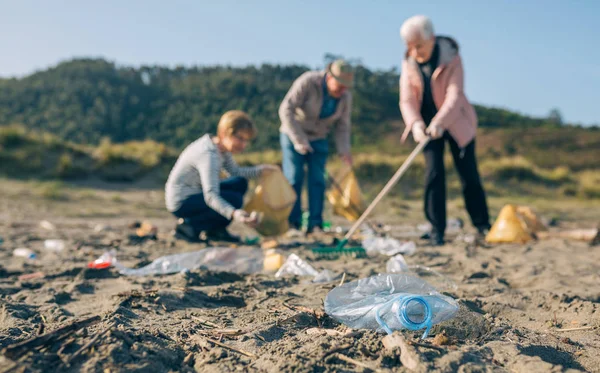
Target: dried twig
<point>89,344</point>
<point>343,279</point>
<point>18,349</point>
<point>575,329</point>
<point>355,362</point>
<point>206,322</point>
<point>426,345</point>
<point>245,353</point>
<point>336,349</point>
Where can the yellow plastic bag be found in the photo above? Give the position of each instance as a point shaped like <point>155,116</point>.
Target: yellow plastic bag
<point>345,195</point>
<point>530,219</point>
<point>508,228</point>
<point>274,198</point>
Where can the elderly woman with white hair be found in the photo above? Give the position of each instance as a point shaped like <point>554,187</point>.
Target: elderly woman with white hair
<point>433,103</point>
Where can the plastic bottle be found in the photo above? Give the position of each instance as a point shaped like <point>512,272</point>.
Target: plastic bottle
<point>389,302</point>
<point>24,253</point>
<point>54,245</point>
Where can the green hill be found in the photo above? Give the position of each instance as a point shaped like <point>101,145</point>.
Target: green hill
<point>86,100</point>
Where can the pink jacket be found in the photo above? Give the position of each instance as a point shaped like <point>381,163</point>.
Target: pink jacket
<point>455,113</point>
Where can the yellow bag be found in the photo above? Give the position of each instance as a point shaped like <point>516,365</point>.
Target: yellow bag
<point>508,228</point>
<point>528,216</point>
<point>274,198</point>
<point>345,195</point>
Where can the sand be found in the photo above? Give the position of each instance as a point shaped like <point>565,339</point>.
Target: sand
<point>515,300</point>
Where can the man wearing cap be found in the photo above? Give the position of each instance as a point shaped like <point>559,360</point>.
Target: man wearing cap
<point>317,102</point>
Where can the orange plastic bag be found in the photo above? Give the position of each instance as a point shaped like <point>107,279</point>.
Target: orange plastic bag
<point>345,195</point>
<point>274,199</point>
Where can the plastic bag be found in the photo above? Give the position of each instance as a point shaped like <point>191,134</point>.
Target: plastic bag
<point>388,246</point>
<point>295,266</point>
<point>241,260</point>
<point>345,195</point>
<point>389,302</point>
<point>274,198</point>
<point>508,228</point>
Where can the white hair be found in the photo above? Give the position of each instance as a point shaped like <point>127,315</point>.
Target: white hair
<point>417,27</point>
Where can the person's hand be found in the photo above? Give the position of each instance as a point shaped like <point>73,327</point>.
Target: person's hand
<point>435,131</point>
<point>303,148</point>
<point>418,131</point>
<point>245,218</point>
<point>347,159</point>
<point>269,168</point>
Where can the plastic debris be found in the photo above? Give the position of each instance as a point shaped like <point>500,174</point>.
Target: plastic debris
<point>295,266</point>
<point>54,245</point>
<point>386,245</point>
<point>396,264</point>
<point>24,253</point>
<point>47,225</point>
<point>241,260</point>
<point>389,302</point>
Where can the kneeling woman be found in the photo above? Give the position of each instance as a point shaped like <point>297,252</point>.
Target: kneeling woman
<point>194,192</point>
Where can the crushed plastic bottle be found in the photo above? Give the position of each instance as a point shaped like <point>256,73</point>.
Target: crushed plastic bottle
<point>389,302</point>
<point>295,266</point>
<point>54,245</point>
<point>24,253</point>
<point>387,246</point>
<point>241,260</point>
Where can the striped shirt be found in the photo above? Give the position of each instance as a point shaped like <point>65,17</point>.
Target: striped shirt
<point>198,170</point>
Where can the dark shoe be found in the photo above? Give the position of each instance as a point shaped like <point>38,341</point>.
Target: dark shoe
<point>436,239</point>
<point>222,235</point>
<point>185,231</point>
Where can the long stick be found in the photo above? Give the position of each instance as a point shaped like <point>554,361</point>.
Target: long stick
<point>387,187</point>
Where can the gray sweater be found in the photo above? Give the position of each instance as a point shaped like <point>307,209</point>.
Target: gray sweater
<point>198,169</point>
<point>300,109</point>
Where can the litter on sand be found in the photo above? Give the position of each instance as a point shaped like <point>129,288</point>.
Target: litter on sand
<point>236,260</point>
<point>295,266</point>
<point>389,302</point>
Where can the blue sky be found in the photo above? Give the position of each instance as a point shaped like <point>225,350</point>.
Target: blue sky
<point>528,56</point>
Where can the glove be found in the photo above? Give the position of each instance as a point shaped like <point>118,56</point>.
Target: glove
<point>418,131</point>
<point>245,218</point>
<point>435,131</point>
<point>303,149</point>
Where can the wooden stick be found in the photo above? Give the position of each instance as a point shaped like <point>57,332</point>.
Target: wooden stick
<point>18,349</point>
<point>245,353</point>
<point>355,362</point>
<point>387,187</point>
<point>575,329</point>
<point>89,344</point>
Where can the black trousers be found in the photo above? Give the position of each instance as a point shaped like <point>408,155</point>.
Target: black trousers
<point>435,183</point>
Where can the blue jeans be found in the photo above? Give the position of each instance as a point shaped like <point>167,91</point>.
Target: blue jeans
<point>293,169</point>
<point>202,218</point>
